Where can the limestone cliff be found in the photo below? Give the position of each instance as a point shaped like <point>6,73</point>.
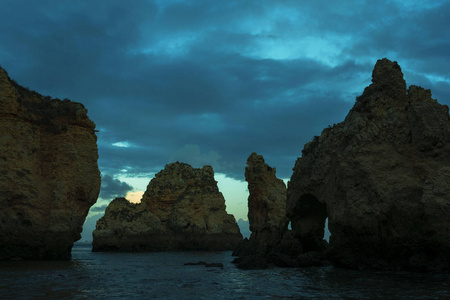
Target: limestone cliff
<point>266,210</point>
<point>49,176</point>
<point>382,179</point>
<point>182,209</point>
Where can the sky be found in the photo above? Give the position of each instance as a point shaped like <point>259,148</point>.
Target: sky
<point>210,82</point>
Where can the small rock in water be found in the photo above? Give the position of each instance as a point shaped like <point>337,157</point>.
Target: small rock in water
<point>203,263</point>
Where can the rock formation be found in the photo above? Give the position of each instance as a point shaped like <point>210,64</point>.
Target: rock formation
<point>123,227</point>
<point>266,211</point>
<point>182,209</point>
<point>266,202</point>
<point>382,179</point>
<point>49,176</point>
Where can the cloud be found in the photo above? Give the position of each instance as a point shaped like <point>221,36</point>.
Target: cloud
<point>192,155</point>
<point>112,188</point>
<point>134,197</point>
<point>96,209</point>
<point>211,82</point>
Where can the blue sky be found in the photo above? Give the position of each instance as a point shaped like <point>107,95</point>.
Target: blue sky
<point>210,82</point>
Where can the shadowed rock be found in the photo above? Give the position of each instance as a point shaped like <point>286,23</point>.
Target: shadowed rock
<point>182,209</point>
<point>381,177</point>
<point>203,263</point>
<point>49,176</point>
<point>266,212</point>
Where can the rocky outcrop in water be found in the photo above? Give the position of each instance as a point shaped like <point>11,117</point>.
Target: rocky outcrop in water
<point>382,179</point>
<point>182,209</point>
<point>49,176</point>
<point>266,212</point>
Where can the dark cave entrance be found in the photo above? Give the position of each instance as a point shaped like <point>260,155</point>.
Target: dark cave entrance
<point>308,222</point>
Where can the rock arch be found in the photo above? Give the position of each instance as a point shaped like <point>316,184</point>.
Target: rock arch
<point>308,222</point>
<point>383,174</point>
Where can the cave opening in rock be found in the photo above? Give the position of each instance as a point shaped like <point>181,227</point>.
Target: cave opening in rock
<point>308,222</point>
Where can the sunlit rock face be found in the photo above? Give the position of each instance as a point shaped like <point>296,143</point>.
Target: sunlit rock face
<point>266,210</point>
<point>381,177</point>
<point>49,176</point>
<point>182,209</point>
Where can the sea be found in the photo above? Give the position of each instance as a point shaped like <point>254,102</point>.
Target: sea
<point>164,275</point>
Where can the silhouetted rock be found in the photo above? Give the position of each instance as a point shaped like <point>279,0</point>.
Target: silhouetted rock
<point>200,263</point>
<point>289,245</point>
<point>49,176</point>
<point>204,263</point>
<point>182,209</point>
<point>381,177</point>
<point>266,209</point>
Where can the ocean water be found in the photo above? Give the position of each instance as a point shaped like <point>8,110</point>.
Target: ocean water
<point>164,276</point>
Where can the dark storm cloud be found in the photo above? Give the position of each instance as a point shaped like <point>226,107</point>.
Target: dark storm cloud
<point>113,188</point>
<point>211,82</point>
<point>416,37</point>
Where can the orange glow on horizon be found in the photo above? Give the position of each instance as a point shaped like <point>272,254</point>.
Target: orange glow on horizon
<point>134,197</point>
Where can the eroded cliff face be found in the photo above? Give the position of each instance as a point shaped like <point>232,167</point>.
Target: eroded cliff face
<point>182,209</point>
<point>49,176</point>
<point>381,177</point>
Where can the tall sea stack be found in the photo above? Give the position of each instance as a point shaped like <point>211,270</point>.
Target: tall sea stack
<point>266,213</point>
<point>49,177</point>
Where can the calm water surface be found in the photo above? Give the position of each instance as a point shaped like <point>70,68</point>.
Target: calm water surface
<point>163,275</point>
